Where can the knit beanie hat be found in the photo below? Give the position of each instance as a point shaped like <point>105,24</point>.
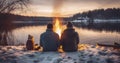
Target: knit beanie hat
<point>69,24</point>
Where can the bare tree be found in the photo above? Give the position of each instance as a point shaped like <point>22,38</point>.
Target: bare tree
<point>7,6</point>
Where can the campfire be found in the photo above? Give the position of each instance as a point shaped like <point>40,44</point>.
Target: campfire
<point>58,26</point>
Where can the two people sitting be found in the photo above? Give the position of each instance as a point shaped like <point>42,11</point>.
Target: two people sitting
<point>69,41</point>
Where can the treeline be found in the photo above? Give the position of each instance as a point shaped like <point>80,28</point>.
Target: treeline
<point>26,18</point>
<point>110,13</point>
<point>32,18</point>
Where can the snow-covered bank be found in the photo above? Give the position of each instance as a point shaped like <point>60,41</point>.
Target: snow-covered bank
<point>86,54</point>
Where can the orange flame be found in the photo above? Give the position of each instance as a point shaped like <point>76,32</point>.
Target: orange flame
<point>58,26</point>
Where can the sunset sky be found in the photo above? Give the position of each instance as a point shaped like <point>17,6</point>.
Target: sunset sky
<point>66,7</point>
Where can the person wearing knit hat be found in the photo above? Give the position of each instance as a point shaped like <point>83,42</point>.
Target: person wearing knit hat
<point>69,39</point>
<point>69,25</point>
<point>49,26</point>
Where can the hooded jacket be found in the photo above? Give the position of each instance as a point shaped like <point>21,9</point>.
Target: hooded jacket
<point>69,40</point>
<point>49,40</point>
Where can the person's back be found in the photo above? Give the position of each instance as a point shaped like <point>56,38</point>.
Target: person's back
<point>49,40</point>
<point>69,40</point>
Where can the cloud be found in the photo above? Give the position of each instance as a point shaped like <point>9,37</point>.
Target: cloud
<point>99,2</point>
<point>85,3</point>
<point>41,2</point>
<point>69,7</point>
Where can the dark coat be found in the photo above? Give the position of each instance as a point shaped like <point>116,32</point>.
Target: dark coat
<point>49,40</point>
<point>30,44</point>
<point>69,40</point>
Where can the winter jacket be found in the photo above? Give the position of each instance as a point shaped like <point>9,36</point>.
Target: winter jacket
<point>69,40</point>
<point>49,40</point>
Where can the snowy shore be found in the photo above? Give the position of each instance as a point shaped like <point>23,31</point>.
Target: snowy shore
<point>85,54</point>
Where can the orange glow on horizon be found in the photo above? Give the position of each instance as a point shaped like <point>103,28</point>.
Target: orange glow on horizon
<point>58,26</point>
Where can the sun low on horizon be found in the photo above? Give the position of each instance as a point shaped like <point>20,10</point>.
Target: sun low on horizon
<point>66,8</point>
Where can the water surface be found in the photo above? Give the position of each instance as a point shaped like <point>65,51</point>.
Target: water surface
<point>86,36</point>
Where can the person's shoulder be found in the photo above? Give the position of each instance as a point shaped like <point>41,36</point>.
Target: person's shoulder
<point>43,33</point>
<point>76,33</point>
<point>65,30</point>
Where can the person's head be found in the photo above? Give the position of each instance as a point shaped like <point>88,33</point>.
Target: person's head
<point>49,26</point>
<point>69,25</point>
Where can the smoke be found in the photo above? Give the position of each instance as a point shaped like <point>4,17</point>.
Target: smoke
<point>57,8</point>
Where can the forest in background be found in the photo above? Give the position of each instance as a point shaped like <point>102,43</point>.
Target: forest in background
<point>110,13</point>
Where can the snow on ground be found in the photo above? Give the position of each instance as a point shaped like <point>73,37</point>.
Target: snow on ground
<point>85,54</point>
